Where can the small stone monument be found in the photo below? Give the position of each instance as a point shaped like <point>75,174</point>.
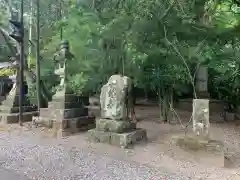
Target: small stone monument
<point>114,127</point>
<point>9,110</point>
<point>66,113</point>
<point>216,107</point>
<point>199,139</point>
<point>200,116</point>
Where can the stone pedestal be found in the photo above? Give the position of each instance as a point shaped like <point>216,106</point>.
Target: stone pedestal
<point>66,115</point>
<point>10,107</point>
<point>205,150</point>
<point>199,141</point>
<point>114,127</point>
<point>200,117</point>
<point>115,132</point>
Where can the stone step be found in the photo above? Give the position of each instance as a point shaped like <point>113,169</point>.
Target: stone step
<point>123,140</point>
<point>71,98</point>
<point>9,118</point>
<point>64,123</point>
<point>63,113</point>
<point>109,125</point>
<point>8,109</point>
<point>66,105</point>
<point>14,101</point>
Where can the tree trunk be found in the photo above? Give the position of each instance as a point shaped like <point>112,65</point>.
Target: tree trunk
<point>164,98</point>
<point>30,47</point>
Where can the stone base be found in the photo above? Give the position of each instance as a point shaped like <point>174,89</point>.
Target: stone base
<point>66,127</point>
<point>9,118</point>
<point>63,113</point>
<point>204,150</point>
<point>6,109</point>
<point>123,140</point>
<point>109,125</point>
<point>197,143</point>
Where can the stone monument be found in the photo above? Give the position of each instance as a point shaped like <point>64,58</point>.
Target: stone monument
<point>200,117</point>
<point>10,106</point>
<point>66,113</point>
<point>199,140</point>
<point>216,107</point>
<point>202,82</point>
<point>114,127</point>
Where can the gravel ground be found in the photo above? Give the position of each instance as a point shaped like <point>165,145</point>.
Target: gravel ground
<point>32,153</point>
<point>26,156</point>
<point>11,175</point>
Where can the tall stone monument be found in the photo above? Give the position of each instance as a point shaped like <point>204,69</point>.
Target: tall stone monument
<point>202,82</point>
<point>9,110</point>
<point>114,127</point>
<point>66,113</point>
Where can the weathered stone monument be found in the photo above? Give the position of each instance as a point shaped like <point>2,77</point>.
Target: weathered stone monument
<point>10,106</point>
<point>66,113</point>
<point>199,140</point>
<point>216,107</point>
<point>200,117</point>
<point>114,127</point>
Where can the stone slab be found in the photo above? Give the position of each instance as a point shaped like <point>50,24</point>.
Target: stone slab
<point>62,105</point>
<point>200,117</point>
<point>59,133</point>
<point>8,118</point>
<point>123,140</point>
<point>99,136</point>
<point>63,113</point>
<point>13,101</point>
<point>196,143</point>
<point>66,98</point>
<point>8,109</point>
<point>205,151</point>
<point>65,123</point>
<point>67,127</point>
<point>114,125</point>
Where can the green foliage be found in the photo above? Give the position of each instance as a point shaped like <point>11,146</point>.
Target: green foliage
<point>7,71</point>
<point>78,83</point>
<point>160,43</point>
